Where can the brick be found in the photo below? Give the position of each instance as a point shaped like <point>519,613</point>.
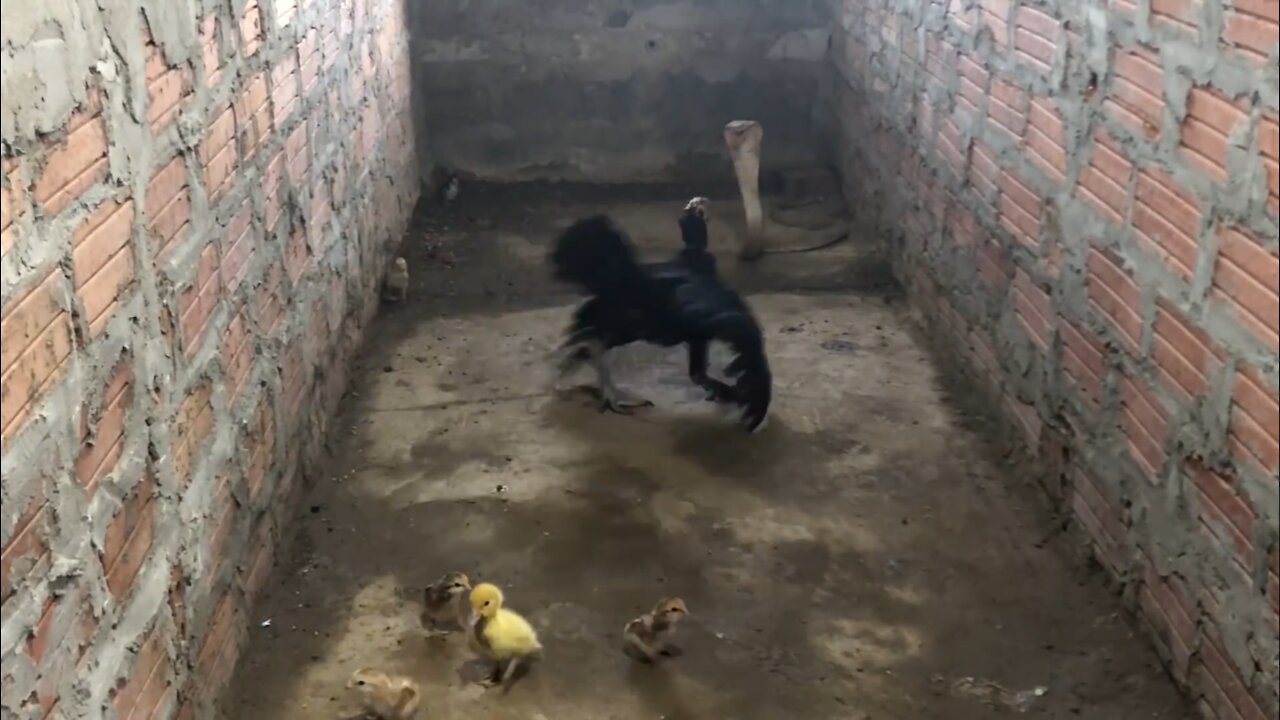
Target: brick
<point>102,261</point>
<point>994,16</point>
<point>1219,681</point>
<point>370,123</point>
<point>1211,117</point>
<point>1137,91</point>
<point>240,243</point>
<point>1184,355</point>
<point>984,171</point>
<point>65,626</point>
<point>37,342</point>
<point>1246,278</point>
<point>101,448</point>
<point>309,60</point>
<point>273,182</point>
<point>972,84</point>
<point>127,542</point>
<point>1169,616</point>
<point>168,208</point>
<point>25,548</point>
<point>250,26</point>
<point>1166,220</point>
<point>1145,426</point>
<point>1254,427</point>
<point>330,47</point>
<point>1019,209</point>
<point>286,11</point>
<point>1036,36</point>
<point>320,212</point>
<point>1251,26</point>
<point>1046,139</point>
<point>191,426</point>
<point>197,303</point>
<point>76,164</point>
<point>10,204</point>
<point>1082,360</point>
<point>293,380</point>
<point>261,557</point>
<point>1104,182</point>
<point>147,682</point>
<point>938,62</point>
<point>1033,310</point>
<point>166,89</point>
<point>1269,150</point>
<point>221,647</point>
<point>962,224</point>
<point>261,446</point>
<point>218,153</point>
<point>1115,296</point>
<point>1026,419</point>
<point>223,512</point>
<point>1101,520</point>
<point>209,50</point>
<point>1224,512</point>
<point>993,264</point>
<point>297,158</point>
<point>253,117</point>
<point>237,356</point>
<point>268,306</point>
<point>1007,109</point>
<point>297,255</point>
<point>284,86</point>
<point>951,145</point>
<point>1182,15</point>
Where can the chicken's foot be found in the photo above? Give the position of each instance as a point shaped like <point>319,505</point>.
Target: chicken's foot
<point>612,398</point>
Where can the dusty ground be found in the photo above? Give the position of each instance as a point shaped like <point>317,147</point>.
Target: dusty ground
<point>857,560</point>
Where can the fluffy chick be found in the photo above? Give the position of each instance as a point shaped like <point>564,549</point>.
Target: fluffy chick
<point>648,636</point>
<point>398,280</point>
<point>501,635</point>
<point>450,189</point>
<point>385,697</point>
<point>444,606</point>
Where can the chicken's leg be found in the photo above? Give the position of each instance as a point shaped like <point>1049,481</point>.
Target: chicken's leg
<point>716,390</point>
<point>612,398</point>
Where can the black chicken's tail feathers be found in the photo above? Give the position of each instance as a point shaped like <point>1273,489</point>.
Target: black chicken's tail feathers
<point>749,369</point>
<point>596,254</point>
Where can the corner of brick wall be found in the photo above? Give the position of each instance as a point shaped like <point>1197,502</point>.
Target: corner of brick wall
<point>197,207</point>
<point>1081,196</point>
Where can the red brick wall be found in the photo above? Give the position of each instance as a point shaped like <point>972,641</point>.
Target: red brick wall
<point>1082,197</point>
<point>194,229</point>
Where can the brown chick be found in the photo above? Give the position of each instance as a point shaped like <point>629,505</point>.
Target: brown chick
<point>444,606</point>
<point>385,697</point>
<point>647,636</point>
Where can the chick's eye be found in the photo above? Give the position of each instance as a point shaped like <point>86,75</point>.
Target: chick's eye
<point>360,682</point>
<point>486,603</point>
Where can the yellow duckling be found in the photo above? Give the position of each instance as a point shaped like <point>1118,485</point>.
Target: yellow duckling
<point>500,635</point>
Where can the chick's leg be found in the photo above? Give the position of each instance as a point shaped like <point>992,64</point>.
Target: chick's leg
<point>509,674</point>
<point>612,397</point>
<point>716,390</point>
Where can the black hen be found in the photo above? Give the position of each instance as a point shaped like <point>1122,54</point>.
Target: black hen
<point>669,303</point>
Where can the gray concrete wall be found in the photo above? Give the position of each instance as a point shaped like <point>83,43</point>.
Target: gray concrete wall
<point>612,90</point>
<point>198,198</point>
<point>1081,196</point>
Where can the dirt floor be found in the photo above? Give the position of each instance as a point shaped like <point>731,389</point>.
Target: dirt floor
<point>869,555</point>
